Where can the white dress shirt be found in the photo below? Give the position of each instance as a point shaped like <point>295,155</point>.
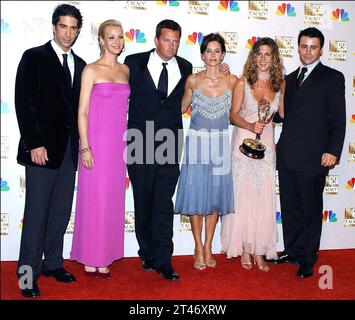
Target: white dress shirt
<point>155,67</point>
<point>59,51</point>
<point>309,67</point>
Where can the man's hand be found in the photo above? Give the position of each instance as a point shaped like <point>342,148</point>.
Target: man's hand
<point>328,160</point>
<point>225,69</point>
<point>39,156</point>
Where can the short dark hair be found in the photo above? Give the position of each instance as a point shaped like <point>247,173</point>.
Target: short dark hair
<point>67,10</point>
<point>212,37</point>
<point>312,33</point>
<point>167,24</point>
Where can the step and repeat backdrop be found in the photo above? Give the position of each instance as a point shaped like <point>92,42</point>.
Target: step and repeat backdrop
<point>26,24</point>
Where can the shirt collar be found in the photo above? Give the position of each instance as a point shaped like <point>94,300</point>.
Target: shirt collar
<point>58,50</point>
<point>309,67</point>
<point>158,60</point>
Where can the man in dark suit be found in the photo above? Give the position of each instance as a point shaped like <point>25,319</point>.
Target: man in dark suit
<point>46,99</point>
<point>157,79</point>
<point>310,144</point>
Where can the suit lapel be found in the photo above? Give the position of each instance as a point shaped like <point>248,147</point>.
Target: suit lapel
<point>293,81</point>
<point>77,74</point>
<point>145,72</point>
<point>59,71</point>
<point>148,77</point>
<point>312,78</point>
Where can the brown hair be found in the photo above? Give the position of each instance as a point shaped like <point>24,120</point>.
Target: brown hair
<point>250,71</point>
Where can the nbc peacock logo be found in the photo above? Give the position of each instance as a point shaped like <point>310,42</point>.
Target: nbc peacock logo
<point>170,3</point>
<point>5,27</point>
<point>278,217</point>
<point>251,42</point>
<point>231,5</point>
<point>329,216</point>
<point>352,119</point>
<point>4,107</point>
<point>286,9</point>
<point>4,185</point>
<point>340,15</point>
<point>194,38</point>
<point>349,184</point>
<point>135,34</point>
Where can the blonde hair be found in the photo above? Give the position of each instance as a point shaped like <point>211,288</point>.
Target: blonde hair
<point>250,71</point>
<point>102,30</point>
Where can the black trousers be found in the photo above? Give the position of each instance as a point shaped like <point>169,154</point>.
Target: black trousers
<point>48,204</point>
<point>153,189</point>
<point>301,199</point>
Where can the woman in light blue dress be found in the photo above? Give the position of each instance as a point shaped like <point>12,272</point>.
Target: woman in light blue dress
<point>205,184</point>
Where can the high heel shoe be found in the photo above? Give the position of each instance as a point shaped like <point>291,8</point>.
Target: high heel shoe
<point>261,264</point>
<point>197,264</point>
<point>210,261</point>
<point>90,274</point>
<point>104,275</point>
<point>245,261</point>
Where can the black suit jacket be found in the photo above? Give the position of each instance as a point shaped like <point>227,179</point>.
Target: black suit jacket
<point>145,104</point>
<point>46,106</point>
<point>314,121</point>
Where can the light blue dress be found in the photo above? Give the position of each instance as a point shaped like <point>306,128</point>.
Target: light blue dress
<point>205,183</point>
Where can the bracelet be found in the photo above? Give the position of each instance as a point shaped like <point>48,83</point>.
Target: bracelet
<point>85,150</point>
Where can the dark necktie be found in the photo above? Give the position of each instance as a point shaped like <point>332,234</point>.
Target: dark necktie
<point>163,83</point>
<point>301,76</point>
<point>66,69</point>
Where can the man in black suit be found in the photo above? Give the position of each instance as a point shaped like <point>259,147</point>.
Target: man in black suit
<point>310,144</point>
<point>157,79</point>
<point>46,99</point>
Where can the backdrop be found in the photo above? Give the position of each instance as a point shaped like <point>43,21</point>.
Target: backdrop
<point>27,24</point>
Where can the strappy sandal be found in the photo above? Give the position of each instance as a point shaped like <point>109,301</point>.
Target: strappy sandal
<point>246,261</point>
<point>261,265</point>
<point>198,264</point>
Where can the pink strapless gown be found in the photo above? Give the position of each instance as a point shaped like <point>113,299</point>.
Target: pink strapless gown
<point>98,237</point>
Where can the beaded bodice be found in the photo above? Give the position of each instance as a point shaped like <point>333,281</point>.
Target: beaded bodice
<point>210,113</point>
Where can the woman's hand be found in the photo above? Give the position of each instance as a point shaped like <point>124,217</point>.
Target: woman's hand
<point>257,127</point>
<point>87,159</point>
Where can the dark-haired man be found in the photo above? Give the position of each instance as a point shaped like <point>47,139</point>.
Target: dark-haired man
<point>157,80</point>
<point>46,99</point>
<point>310,144</point>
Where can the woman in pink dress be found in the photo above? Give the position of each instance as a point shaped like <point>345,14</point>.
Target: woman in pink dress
<point>251,232</point>
<point>100,205</point>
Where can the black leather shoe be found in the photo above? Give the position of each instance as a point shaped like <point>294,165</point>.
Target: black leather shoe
<point>168,274</point>
<point>282,258</point>
<point>31,293</point>
<point>305,271</point>
<point>148,265</point>
<point>60,275</point>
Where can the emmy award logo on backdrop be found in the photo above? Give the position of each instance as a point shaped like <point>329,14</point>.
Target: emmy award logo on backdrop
<point>254,148</point>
